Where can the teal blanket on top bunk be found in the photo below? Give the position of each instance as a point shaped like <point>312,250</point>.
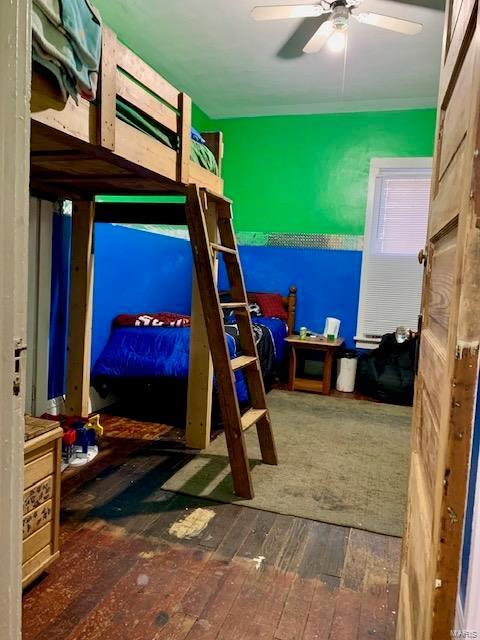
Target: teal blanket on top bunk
<point>67,37</point>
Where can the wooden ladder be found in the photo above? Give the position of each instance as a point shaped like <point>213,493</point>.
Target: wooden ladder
<point>205,251</point>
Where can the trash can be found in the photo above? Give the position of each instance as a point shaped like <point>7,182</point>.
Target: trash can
<point>346,371</point>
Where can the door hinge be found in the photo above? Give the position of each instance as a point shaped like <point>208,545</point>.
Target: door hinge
<point>18,347</point>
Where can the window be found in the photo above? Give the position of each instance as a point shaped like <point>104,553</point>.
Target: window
<point>395,231</point>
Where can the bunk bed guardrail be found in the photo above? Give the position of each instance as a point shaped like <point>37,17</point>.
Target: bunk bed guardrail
<point>125,78</point>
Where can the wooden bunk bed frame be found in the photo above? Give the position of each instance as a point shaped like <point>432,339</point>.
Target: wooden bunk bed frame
<point>82,150</point>
<point>79,151</point>
<point>289,303</point>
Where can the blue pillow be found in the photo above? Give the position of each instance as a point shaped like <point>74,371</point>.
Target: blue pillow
<point>196,136</point>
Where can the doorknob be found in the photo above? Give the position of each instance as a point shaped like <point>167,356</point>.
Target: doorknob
<point>422,256</point>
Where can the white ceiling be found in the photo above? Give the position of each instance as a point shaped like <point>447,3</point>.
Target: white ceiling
<point>231,66</point>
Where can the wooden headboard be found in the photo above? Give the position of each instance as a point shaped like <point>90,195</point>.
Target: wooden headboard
<point>289,302</point>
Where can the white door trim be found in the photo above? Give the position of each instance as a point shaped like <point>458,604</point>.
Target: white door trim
<point>15,53</point>
<point>39,302</point>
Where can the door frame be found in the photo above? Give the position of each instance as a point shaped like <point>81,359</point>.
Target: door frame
<point>15,47</point>
<point>38,306</point>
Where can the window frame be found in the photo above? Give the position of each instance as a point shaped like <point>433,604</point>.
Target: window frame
<point>377,166</point>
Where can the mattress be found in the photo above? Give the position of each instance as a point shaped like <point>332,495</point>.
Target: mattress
<point>153,353</point>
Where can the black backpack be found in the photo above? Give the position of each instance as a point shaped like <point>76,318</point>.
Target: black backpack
<point>388,372</point>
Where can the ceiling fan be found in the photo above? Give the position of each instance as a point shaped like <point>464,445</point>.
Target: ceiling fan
<point>333,31</point>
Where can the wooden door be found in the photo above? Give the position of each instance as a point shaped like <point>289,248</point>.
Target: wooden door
<point>448,358</point>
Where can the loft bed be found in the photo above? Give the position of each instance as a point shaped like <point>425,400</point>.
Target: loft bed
<point>135,138</point>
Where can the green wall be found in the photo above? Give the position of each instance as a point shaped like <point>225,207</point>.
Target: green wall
<point>309,173</point>
<point>200,120</point>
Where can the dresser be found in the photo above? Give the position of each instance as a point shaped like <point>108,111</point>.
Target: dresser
<point>41,497</point>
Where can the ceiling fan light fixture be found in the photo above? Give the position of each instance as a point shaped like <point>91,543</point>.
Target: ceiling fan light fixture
<point>340,16</point>
<point>337,41</point>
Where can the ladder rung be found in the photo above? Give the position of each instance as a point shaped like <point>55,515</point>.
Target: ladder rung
<point>242,361</point>
<point>251,417</point>
<point>233,305</point>
<point>222,249</point>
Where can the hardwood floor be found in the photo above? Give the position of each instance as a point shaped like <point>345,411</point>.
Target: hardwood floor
<point>140,563</point>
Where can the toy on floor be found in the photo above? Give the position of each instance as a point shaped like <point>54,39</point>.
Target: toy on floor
<point>80,438</point>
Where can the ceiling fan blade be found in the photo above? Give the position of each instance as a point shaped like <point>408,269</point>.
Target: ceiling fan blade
<point>319,38</point>
<point>287,11</point>
<point>399,25</point>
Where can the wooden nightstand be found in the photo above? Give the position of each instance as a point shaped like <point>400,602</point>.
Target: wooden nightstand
<point>329,347</point>
<point>41,497</point>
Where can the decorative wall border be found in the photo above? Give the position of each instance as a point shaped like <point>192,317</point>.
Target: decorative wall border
<point>301,240</point>
<point>325,241</point>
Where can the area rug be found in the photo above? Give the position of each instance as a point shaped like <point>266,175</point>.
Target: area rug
<point>342,461</point>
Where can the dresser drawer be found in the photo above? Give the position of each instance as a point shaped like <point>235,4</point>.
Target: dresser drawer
<point>39,468</point>
<point>37,494</point>
<point>35,564</point>
<point>37,518</point>
<point>37,541</point>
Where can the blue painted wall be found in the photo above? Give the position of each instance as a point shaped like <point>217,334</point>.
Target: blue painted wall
<point>328,282</point>
<point>137,271</point>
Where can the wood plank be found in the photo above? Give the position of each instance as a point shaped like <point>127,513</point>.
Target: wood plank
<point>214,141</point>
<point>144,151</point>
<point>347,615</point>
<point>144,74</point>
<point>107,91</point>
<point>221,249</point>
<point>320,614</point>
<point>373,609</point>
<point>251,417</point>
<point>131,92</point>
<point>223,589</point>
<point>200,367</point>
<point>204,178</point>
<point>295,612</point>
<point>185,106</point>
<point>456,475</point>
<point>241,362</point>
<point>233,541</point>
<point>80,310</point>
<point>256,541</point>
<point>78,122</point>
<point>325,551</point>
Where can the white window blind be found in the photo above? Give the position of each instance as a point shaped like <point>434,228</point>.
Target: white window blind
<point>395,231</point>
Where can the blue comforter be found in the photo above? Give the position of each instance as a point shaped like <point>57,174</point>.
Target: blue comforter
<point>163,352</point>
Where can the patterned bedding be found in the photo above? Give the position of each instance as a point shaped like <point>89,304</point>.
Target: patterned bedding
<point>163,352</point>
